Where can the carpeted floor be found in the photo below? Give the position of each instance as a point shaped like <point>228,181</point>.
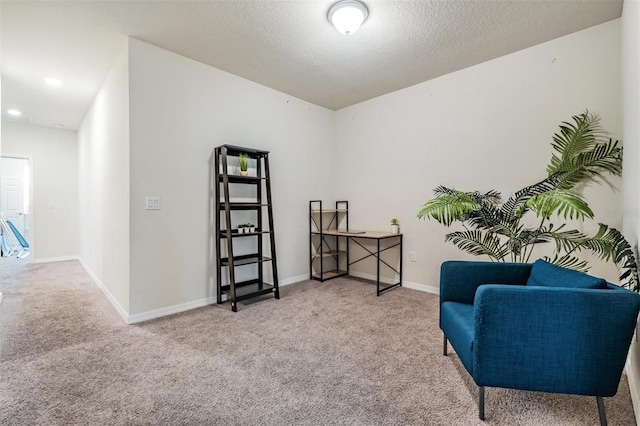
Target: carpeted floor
<point>325,353</point>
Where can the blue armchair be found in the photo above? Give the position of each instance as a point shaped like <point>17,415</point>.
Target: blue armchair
<point>537,327</point>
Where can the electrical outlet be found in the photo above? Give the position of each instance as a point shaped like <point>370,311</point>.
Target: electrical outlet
<point>412,256</point>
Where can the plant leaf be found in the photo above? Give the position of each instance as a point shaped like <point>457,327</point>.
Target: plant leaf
<point>570,262</point>
<point>563,202</point>
<point>479,243</point>
<point>448,206</point>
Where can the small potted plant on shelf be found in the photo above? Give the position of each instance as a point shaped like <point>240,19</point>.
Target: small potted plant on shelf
<point>241,228</point>
<point>395,226</point>
<point>243,162</point>
<point>251,227</point>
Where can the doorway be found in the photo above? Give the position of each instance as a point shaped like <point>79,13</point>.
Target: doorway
<point>15,194</point>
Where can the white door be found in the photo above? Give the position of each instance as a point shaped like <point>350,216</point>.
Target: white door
<point>12,200</point>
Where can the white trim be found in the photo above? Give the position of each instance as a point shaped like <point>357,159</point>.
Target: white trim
<point>1,297</point>
<point>170,310</point>
<point>421,287</point>
<point>106,292</point>
<point>56,259</point>
<point>406,284</point>
<point>293,280</point>
<point>187,306</point>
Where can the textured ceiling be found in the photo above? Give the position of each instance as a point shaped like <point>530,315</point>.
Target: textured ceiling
<point>286,45</point>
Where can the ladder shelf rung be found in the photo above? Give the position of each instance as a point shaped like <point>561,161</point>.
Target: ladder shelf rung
<point>244,260</point>
<point>241,179</point>
<point>242,206</point>
<point>248,291</point>
<point>234,234</point>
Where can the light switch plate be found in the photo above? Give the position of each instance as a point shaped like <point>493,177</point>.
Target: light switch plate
<point>153,203</point>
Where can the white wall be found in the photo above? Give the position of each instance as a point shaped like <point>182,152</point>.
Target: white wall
<point>103,140</point>
<point>631,175</point>
<point>54,233</point>
<point>180,111</point>
<point>481,128</point>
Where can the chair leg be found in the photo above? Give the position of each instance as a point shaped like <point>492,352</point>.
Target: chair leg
<point>601,412</point>
<point>481,402</point>
<point>444,345</point>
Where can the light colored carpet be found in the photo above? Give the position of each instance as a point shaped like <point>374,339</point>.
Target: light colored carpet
<point>325,353</point>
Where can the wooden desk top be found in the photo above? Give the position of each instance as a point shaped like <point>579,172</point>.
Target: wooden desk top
<point>375,235</point>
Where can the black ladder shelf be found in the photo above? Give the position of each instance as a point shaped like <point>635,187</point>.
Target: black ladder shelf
<point>259,208</point>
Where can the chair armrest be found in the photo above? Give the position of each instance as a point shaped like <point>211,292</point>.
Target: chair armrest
<point>549,339</point>
<point>459,280</point>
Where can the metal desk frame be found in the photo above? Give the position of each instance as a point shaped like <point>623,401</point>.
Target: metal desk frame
<point>377,236</point>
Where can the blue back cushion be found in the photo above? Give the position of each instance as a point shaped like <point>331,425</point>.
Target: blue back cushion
<point>545,274</point>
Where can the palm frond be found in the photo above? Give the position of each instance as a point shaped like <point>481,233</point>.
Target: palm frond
<point>568,241</point>
<point>574,139</point>
<point>607,244</point>
<point>491,196</point>
<point>568,261</point>
<point>479,243</point>
<point>448,206</point>
<point>515,206</point>
<point>563,202</point>
<point>488,215</point>
<point>622,254</point>
<point>591,166</point>
<point>534,236</point>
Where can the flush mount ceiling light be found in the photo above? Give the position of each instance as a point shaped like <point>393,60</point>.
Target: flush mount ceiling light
<point>348,15</point>
<point>14,112</point>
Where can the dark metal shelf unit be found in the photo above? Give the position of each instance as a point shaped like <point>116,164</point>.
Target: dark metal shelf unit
<point>329,253</point>
<point>237,291</point>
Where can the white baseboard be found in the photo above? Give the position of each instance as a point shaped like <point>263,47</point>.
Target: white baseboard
<point>182,307</point>
<point>121,311</point>
<point>294,280</point>
<point>55,259</point>
<point>187,306</point>
<point>175,309</point>
<point>421,287</point>
<point>406,284</point>
<point>170,310</point>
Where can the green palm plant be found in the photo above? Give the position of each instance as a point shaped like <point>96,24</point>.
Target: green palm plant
<point>583,154</point>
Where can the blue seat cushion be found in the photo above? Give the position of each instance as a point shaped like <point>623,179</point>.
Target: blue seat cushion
<point>457,323</point>
<point>545,274</point>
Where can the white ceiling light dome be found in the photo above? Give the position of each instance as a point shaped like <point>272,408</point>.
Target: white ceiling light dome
<point>348,15</point>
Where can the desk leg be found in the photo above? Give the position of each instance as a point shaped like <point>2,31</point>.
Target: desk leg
<point>378,268</point>
<point>400,260</point>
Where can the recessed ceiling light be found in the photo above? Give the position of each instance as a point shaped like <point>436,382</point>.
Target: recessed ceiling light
<point>53,82</point>
<point>14,112</point>
<point>59,125</point>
